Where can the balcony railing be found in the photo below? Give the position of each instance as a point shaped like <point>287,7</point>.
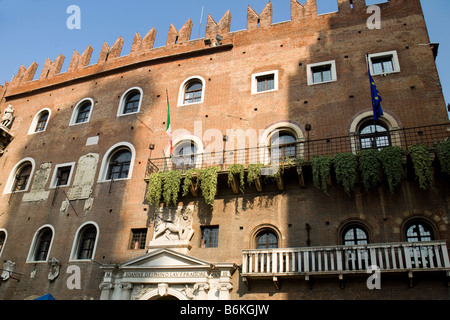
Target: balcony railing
<point>339,260</point>
<point>305,150</point>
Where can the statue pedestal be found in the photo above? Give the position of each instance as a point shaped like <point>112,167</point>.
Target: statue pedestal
<point>181,246</point>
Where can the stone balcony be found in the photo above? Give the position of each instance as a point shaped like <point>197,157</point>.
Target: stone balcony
<point>343,261</point>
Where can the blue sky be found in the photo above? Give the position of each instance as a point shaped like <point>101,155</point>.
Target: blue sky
<point>32,30</point>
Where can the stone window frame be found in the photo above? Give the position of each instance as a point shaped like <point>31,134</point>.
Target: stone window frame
<point>211,228</point>
<point>310,74</point>
<point>75,112</point>
<point>54,179</point>
<point>182,91</point>
<point>260,228</point>
<point>76,242</point>
<point>254,81</point>
<point>123,99</point>
<point>35,121</point>
<point>395,62</point>
<point>105,161</point>
<point>35,243</point>
<point>11,179</point>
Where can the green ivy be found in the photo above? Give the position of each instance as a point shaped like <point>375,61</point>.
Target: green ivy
<point>237,169</point>
<point>188,176</point>
<point>254,172</point>
<point>321,167</point>
<point>208,183</point>
<point>154,189</point>
<point>172,182</point>
<point>369,165</point>
<point>345,166</point>
<point>422,163</point>
<point>443,153</point>
<point>392,162</point>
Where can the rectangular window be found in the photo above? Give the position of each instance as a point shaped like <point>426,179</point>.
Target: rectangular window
<point>264,82</point>
<point>62,175</point>
<point>210,237</point>
<point>138,239</point>
<point>321,72</point>
<point>384,63</point>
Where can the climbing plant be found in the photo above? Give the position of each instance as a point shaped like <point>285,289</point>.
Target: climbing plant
<point>443,153</point>
<point>422,163</point>
<point>321,167</point>
<point>369,166</point>
<point>172,182</point>
<point>154,189</point>
<point>345,166</point>
<point>237,169</point>
<point>392,163</point>
<point>208,183</point>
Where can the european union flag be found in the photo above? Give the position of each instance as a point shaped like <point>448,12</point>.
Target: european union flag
<point>376,99</point>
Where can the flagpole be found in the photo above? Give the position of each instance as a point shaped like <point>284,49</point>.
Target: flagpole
<point>374,143</point>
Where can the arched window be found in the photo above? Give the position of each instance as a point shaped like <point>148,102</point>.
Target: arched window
<point>419,230</point>
<point>82,112</point>
<point>86,245</point>
<point>185,154</point>
<point>119,165</point>
<point>355,234</point>
<point>40,121</point>
<point>130,102</point>
<point>266,239</point>
<point>373,136</point>
<point>41,244</point>
<point>3,237</point>
<point>191,91</point>
<point>22,177</point>
<point>118,162</point>
<point>283,145</point>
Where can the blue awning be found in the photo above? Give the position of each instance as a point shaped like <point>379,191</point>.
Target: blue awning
<point>46,297</point>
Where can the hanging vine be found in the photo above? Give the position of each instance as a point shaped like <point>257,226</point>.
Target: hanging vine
<point>422,163</point>
<point>443,153</point>
<point>208,183</point>
<point>345,166</point>
<point>154,189</point>
<point>253,172</point>
<point>369,167</point>
<point>188,178</point>
<point>237,169</point>
<point>321,167</point>
<point>392,162</point>
<point>172,182</point>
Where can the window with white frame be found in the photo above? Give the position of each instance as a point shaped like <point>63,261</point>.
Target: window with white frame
<point>42,242</point>
<point>322,72</point>
<point>82,112</point>
<point>384,63</point>
<point>118,162</point>
<point>62,175</point>
<point>20,177</point>
<point>264,82</point>
<point>130,102</point>
<point>85,242</point>
<point>40,121</point>
<point>192,91</point>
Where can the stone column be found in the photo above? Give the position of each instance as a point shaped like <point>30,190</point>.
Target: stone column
<point>106,290</point>
<point>126,290</point>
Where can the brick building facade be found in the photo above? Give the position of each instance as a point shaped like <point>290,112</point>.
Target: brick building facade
<point>84,146</point>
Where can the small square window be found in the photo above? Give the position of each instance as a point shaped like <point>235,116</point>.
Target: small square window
<point>138,239</point>
<point>322,72</point>
<point>210,237</point>
<point>265,82</point>
<point>384,63</point>
<point>62,175</point>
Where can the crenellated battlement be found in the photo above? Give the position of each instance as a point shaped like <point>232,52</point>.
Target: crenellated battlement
<point>178,41</point>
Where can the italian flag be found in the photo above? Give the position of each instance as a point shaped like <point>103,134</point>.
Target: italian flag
<point>168,126</point>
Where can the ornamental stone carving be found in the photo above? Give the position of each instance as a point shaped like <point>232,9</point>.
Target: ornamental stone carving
<point>54,265</point>
<point>8,268</point>
<point>173,225</point>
